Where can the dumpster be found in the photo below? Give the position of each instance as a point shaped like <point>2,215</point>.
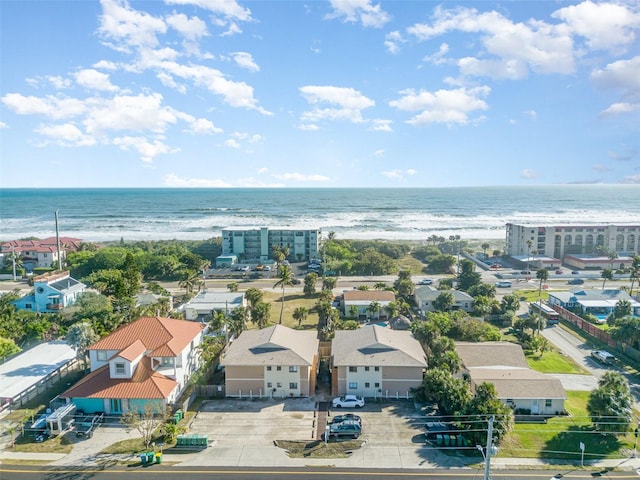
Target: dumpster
<point>159,457</point>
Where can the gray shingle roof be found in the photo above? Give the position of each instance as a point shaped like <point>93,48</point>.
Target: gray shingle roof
<point>275,345</point>
<point>491,354</point>
<point>518,383</point>
<point>429,294</point>
<point>374,345</point>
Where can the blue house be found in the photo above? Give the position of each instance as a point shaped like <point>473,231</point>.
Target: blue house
<point>52,292</point>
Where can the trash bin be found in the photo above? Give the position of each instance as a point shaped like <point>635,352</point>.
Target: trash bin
<point>159,457</point>
<point>143,458</point>
<point>150,456</point>
<point>179,413</point>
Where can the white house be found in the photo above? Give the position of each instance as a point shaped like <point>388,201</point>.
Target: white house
<point>426,295</point>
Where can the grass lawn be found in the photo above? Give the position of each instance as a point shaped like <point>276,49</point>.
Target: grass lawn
<point>415,266</point>
<point>318,449</point>
<point>554,362</point>
<point>291,302</point>
<point>560,437</point>
<point>58,444</point>
<point>531,295</point>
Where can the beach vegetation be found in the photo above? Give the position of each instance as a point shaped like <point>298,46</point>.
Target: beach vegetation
<point>403,285</point>
<point>610,405</point>
<point>468,277</point>
<point>310,280</point>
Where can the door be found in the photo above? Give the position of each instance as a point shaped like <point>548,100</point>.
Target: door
<point>115,405</point>
<point>534,407</point>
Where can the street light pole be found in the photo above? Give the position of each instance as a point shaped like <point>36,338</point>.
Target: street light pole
<point>487,456</point>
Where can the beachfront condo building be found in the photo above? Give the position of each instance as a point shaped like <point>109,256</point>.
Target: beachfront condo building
<point>256,243</point>
<point>559,241</point>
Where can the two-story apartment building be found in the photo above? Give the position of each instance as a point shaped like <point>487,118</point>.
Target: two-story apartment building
<point>256,243</point>
<point>148,362</point>
<point>52,292</point>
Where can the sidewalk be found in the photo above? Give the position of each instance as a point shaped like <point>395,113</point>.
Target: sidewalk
<point>366,457</point>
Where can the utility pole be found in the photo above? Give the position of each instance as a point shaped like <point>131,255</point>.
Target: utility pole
<point>13,259</point>
<point>487,455</point>
<point>58,244</point>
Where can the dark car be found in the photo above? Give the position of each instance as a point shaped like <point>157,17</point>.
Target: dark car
<point>347,417</point>
<point>525,272</point>
<point>347,428</point>
<point>575,272</point>
<point>576,281</point>
<point>559,272</point>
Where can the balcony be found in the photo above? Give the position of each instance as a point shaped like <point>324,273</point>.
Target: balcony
<point>54,306</point>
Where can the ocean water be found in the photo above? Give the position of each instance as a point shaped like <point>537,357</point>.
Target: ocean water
<point>395,214</point>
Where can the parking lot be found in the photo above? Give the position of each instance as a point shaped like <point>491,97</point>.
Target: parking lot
<point>260,422</point>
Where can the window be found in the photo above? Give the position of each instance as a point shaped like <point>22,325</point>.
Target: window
<point>293,369</point>
<point>268,368</point>
<point>278,368</point>
<point>28,306</point>
<point>366,369</point>
<point>101,355</point>
<point>269,384</point>
<point>353,385</point>
<point>377,385</point>
<point>377,369</point>
<point>167,361</point>
<point>353,369</point>
<point>119,368</point>
<point>293,386</point>
<point>279,385</point>
<point>547,403</point>
<point>366,385</point>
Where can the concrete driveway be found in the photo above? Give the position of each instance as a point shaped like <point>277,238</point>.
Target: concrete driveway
<point>256,422</point>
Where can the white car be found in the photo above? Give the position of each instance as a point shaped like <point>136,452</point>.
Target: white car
<point>348,401</point>
<point>425,281</point>
<point>503,284</point>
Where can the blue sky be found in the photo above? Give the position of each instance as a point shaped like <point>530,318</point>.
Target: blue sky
<point>340,93</point>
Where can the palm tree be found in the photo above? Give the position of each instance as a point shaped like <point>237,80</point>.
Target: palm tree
<point>612,256</point>
<point>607,274</point>
<point>380,286</point>
<point>233,286</point>
<point>392,309</point>
<point>485,247</point>
<point>285,275</point>
<point>634,275</point>
<point>189,282</point>
<point>237,321</point>
<point>529,245</point>
<point>374,308</point>
<point>260,314</point>
<point>300,314</point>
<point>543,276</point>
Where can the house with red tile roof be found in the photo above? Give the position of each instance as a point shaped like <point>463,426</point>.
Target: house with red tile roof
<point>41,253</point>
<point>148,362</point>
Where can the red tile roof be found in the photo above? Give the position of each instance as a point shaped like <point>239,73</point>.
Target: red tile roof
<point>145,383</point>
<point>162,336</point>
<point>133,351</point>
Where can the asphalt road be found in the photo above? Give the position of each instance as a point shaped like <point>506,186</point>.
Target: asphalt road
<point>171,473</point>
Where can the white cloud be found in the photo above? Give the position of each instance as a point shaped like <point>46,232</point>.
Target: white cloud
<point>348,103</point>
<point>516,48</point>
<point>378,153</point>
<point>532,114</point>
<point>529,174</point>
<point>622,157</point>
<point>3,125</point>
<point>59,82</point>
<point>598,167</point>
<point>191,28</point>
<point>128,27</point>
<point>232,143</point>
<point>105,65</point>
<point>379,125</point>
<point>245,60</point>
<point>635,179</point>
<point>94,80</point>
<point>226,8</point>
<point>363,11</point>
<point>233,29</point>
<point>203,126</point>
<point>623,75</point>
<point>147,150</point>
<point>308,127</point>
<point>263,170</point>
<point>49,106</point>
<point>442,106</point>
<point>398,174</point>
<point>299,177</point>
<point>66,135</point>
<point>606,25</point>
<point>439,57</point>
<point>392,41</point>
<point>173,180</point>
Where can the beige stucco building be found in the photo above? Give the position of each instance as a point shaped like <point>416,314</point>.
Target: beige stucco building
<point>275,362</point>
<point>375,361</point>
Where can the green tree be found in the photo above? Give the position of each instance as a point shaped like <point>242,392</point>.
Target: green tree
<point>404,285</point>
<point>285,279</point>
<point>542,275</point>
<point>606,274</point>
<point>260,314</point>
<point>627,330</point>
<point>254,296</point>
<point>80,337</point>
<point>442,263</point>
<point>146,421</point>
<point>310,280</point>
<point>392,309</point>
<point>300,314</point>
<point>373,309</point>
<point>444,301</point>
<point>8,347</point>
<point>380,286</point>
<point>485,247</point>
<point>483,289</point>
<point>510,303</point>
<point>450,393</point>
<point>610,405</point>
<point>623,308</point>
<point>482,305</point>
<point>190,281</point>
<point>328,283</point>
<point>468,276</point>
<point>237,321</point>
<point>529,245</point>
<point>218,321</point>
<point>233,287</point>
<point>131,275</point>
<point>353,311</point>
<point>485,404</point>
<point>634,274</point>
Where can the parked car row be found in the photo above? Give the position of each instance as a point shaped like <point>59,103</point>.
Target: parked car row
<point>347,425</point>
